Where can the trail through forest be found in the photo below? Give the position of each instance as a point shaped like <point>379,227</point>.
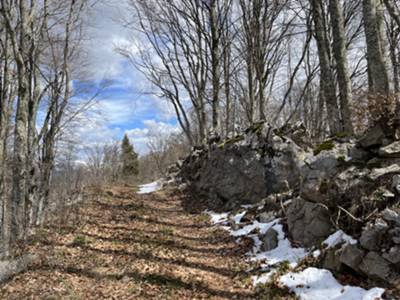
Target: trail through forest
<point>122,245</point>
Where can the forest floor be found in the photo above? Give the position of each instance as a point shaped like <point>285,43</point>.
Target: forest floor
<point>122,245</point>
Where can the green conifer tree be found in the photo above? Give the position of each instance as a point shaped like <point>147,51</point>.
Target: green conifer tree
<point>129,159</point>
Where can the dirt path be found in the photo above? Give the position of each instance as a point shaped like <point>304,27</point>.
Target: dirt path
<point>129,246</point>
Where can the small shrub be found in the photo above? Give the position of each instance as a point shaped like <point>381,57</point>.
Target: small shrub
<point>342,160</point>
<point>79,241</point>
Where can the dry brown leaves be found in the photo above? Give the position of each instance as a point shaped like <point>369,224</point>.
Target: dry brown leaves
<point>128,246</point>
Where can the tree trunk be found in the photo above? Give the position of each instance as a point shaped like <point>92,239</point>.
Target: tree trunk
<point>327,77</point>
<point>215,65</point>
<point>379,80</point>
<point>340,54</point>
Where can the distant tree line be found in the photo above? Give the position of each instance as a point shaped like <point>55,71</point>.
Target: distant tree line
<point>225,64</point>
<point>112,163</point>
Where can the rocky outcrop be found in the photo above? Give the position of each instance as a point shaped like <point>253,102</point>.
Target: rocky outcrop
<point>244,169</point>
<point>391,150</point>
<point>341,182</point>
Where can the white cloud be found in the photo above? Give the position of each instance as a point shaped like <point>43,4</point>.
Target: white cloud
<point>115,111</point>
<point>130,99</point>
<point>140,136</point>
<point>155,127</point>
<point>105,31</point>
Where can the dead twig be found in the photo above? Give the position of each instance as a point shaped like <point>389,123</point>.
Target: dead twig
<point>350,215</point>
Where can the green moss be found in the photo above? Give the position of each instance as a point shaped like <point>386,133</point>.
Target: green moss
<point>233,140</point>
<point>325,146</point>
<point>343,134</point>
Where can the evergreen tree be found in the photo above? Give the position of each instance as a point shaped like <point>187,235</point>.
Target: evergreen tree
<point>129,159</point>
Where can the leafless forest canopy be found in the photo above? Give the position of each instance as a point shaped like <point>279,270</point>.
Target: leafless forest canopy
<point>223,65</point>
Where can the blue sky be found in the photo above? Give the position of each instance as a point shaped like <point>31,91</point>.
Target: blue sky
<point>127,104</point>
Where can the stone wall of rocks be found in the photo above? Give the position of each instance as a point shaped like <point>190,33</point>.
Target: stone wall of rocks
<point>342,183</point>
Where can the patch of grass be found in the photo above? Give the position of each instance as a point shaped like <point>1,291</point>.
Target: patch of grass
<point>283,267</point>
<point>160,280</point>
<point>80,241</point>
<point>167,231</point>
<point>271,290</point>
<point>203,218</point>
<point>324,146</point>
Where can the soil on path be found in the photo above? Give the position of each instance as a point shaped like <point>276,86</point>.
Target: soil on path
<point>121,245</point>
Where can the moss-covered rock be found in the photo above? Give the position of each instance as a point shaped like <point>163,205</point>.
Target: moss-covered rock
<point>324,146</point>
<point>231,141</point>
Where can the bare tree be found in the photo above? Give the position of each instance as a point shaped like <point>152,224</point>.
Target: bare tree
<point>377,70</point>
<point>340,54</point>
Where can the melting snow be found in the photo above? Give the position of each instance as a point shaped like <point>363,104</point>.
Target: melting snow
<point>284,251</point>
<point>149,188</point>
<point>217,218</point>
<point>337,238</point>
<point>263,227</point>
<point>313,284</point>
<point>238,217</point>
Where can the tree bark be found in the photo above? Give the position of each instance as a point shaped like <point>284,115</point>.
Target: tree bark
<point>327,77</point>
<point>379,80</point>
<point>215,63</point>
<point>340,54</point>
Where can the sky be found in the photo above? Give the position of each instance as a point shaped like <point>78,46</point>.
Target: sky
<point>126,104</point>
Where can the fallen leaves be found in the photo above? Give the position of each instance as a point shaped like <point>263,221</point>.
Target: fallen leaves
<point>131,246</point>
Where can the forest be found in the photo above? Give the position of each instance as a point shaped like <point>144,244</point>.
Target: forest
<point>284,112</point>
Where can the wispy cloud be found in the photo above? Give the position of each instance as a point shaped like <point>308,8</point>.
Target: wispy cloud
<point>128,104</point>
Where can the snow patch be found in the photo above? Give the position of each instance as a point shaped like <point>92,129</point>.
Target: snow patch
<point>337,238</point>
<point>262,227</point>
<point>217,218</point>
<point>283,253</point>
<point>309,284</point>
<point>149,187</point>
<point>237,218</point>
<point>313,284</point>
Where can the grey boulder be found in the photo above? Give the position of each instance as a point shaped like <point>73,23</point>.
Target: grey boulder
<point>269,240</point>
<point>391,150</point>
<point>308,222</point>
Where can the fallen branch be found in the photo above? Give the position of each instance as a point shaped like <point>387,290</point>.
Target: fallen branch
<point>11,267</point>
<point>350,215</point>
